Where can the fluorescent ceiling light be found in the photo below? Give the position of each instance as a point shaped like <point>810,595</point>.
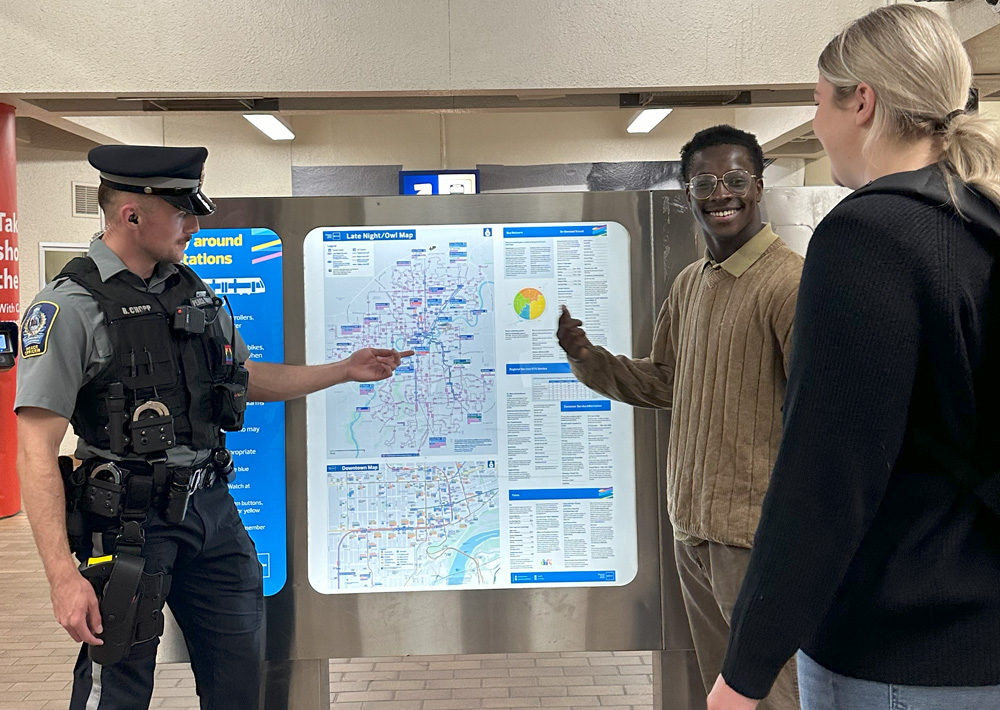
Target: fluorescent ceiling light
<point>271,126</point>
<point>646,120</point>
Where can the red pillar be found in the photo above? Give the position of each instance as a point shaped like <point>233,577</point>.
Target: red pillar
<point>10,310</point>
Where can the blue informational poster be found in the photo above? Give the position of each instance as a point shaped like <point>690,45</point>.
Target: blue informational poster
<point>244,266</point>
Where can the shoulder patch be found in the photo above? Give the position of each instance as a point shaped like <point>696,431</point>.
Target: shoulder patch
<point>35,328</point>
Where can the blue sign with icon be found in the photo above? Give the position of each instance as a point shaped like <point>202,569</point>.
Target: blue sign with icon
<point>438,182</point>
<point>244,266</point>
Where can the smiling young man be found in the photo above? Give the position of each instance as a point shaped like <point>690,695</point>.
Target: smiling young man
<point>719,361</point>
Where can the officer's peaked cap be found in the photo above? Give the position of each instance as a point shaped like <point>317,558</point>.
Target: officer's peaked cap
<point>175,174</point>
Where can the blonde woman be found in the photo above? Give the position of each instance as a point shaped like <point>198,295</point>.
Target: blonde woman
<point>878,552</point>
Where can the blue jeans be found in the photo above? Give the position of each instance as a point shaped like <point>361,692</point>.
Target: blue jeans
<point>820,689</point>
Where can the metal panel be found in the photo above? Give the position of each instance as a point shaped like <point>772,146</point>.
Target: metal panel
<point>302,623</point>
<point>676,243</point>
<point>647,614</point>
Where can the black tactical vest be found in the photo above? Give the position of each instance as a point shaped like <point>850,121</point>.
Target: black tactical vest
<point>153,360</point>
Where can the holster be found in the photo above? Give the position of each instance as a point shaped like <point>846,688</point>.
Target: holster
<point>131,604</point>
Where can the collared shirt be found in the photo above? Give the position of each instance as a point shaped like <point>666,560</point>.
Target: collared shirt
<point>108,264</point>
<point>77,345</point>
<point>746,255</point>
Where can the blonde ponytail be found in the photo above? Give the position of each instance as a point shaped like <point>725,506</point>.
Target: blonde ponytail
<point>972,151</point>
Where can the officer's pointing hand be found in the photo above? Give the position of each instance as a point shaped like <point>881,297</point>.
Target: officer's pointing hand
<point>76,608</point>
<point>572,337</point>
<point>370,364</point>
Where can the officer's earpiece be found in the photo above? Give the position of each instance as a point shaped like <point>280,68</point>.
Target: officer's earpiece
<point>133,219</point>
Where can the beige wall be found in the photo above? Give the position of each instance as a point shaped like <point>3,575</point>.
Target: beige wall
<point>45,207</point>
<point>243,162</point>
<point>132,130</point>
<point>513,138</point>
<point>990,109</point>
<point>775,125</point>
<point>570,137</point>
<point>412,140</point>
<point>818,172</point>
<point>269,47</point>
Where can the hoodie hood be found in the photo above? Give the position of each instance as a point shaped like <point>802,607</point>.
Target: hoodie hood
<point>928,185</point>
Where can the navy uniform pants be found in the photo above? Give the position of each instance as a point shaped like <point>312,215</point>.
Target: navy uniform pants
<point>216,595</point>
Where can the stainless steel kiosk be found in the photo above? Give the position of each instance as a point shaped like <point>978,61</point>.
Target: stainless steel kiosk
<point>305,628</point>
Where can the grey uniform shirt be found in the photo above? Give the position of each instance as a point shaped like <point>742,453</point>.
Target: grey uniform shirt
<point>75,345</point>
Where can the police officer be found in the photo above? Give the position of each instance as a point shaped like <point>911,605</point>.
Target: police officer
<point>136,351</point>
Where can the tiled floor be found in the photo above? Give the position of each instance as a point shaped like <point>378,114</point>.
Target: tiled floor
<point>36,661</point>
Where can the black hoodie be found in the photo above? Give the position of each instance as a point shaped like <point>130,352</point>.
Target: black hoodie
<point>871,554</point>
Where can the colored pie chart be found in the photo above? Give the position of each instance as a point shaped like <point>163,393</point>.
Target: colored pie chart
<point>529,303</point>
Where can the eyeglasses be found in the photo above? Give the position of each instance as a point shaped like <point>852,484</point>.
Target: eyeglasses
<point>736,181</point>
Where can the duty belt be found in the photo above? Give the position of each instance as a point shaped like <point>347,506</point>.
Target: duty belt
<point>197,478</point>
<point>128,490</point>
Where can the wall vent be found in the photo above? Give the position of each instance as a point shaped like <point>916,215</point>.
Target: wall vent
<point>85,200</point>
